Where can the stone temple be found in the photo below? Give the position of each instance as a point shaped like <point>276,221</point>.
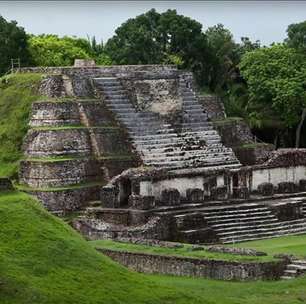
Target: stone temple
<point>134,151</point>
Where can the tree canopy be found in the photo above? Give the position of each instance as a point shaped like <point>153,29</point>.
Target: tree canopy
<point>51,50</point>
<point>13,45</point>
<point>297,36</point>
<point>276,78</point>
<point>153,38</point>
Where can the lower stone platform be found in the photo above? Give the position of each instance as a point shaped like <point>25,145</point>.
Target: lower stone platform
<point>228,221</point>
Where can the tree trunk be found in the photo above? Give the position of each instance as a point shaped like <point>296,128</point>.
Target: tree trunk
<point>299,129</point>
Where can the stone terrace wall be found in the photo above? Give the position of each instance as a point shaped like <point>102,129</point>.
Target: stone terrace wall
<point>213,106</point>
<point>76,81</point>
<point>181,266</point>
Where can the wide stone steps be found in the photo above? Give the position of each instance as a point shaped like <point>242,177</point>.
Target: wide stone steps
<point>269,228</point>
<point>163,145</point>
<point>187,156</point>
<point>154,154</point>
<point>289,229</point>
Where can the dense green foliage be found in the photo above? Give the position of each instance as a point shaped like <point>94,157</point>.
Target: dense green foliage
<point>17,92</point>
<point>275,78</point>
<point>153,38</point>
<point>297,36</point>
<point>44,261</point>
<point>269,95</point>
<point>50,50</point>
<point>13,45</point>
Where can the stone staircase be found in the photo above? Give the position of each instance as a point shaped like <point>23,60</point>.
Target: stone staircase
<point>194,144</point>
<point>232,222</point>
<point>294,269</point>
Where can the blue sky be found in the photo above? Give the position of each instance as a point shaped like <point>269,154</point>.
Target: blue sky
<point>263,20</point>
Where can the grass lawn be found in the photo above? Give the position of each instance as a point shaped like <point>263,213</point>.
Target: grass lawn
<point>17,92</point>
<point>184,251</point>
<point>43,260</point>
<point>295,244</point>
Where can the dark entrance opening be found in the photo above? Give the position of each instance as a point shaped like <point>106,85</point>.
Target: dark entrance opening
<point>235,180</point>
<point>125,192</point>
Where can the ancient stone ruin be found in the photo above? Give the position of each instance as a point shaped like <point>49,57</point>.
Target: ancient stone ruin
<point>135,151</point>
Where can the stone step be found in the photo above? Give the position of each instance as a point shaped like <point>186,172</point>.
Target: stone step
<point>260,229</point>
<point>188,163</point>
<point>214,220</point>
<point>286,277</point>
<point>295,267</point>
<point>300,262</point>
<point>262,222</point>
<point>204,157</point>
<point>262,235</point>
<point>179,152</point>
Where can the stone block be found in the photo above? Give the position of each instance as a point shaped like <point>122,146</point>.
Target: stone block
<point>219,193</point>
<point>170,196</point>
<point>241,192</point>
<point>289,211</point>
<point>194,195</point>
<point>287,187</point>
<point>141,202</point>
<point>109,196</point>
<point>302,185</point>
<point>80,63</point>
<point>266,189</point>
<point>5,184</point>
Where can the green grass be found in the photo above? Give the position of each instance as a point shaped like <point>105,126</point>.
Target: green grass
<point>69,127</point>
<point>17,92</point>
<point>27,188</point>
<point>221,122</point>
<point>294,244</point>
<point>44,261</point>
<point>184,251</point>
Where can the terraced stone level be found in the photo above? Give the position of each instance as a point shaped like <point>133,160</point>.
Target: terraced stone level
<point>160,144</point>
<point>73,148</point>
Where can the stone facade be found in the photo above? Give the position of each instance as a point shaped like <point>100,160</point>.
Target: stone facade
<point>42,174</point>
<point>65,201</point>
<point>192,267</point>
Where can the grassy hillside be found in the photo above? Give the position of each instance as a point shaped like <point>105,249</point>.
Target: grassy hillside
<point>17,92</point>
<point>43,260</point>
<point>294,244</point>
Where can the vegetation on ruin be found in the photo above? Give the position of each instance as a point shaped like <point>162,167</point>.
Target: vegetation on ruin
<point>264,85</point>
<point>44,261</point>
<point>83,185</point>
<point>17,92</point>
<point>185,251</point>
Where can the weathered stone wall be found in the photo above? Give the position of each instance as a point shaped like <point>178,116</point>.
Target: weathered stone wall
<point>67,200</point>
<point>76,81</point>
<point>234,132</point>
<point>277,175</point>
<point>181,266</point>
<point>157,95</point>
<point>254,153</point>
<point>46,113</point>
<point>213,105</point>
<point>75,142</point>
<point>60,142</point>
<point>59,173</point>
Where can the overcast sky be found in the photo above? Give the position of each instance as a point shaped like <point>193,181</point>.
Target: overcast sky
<point>263,20</point>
